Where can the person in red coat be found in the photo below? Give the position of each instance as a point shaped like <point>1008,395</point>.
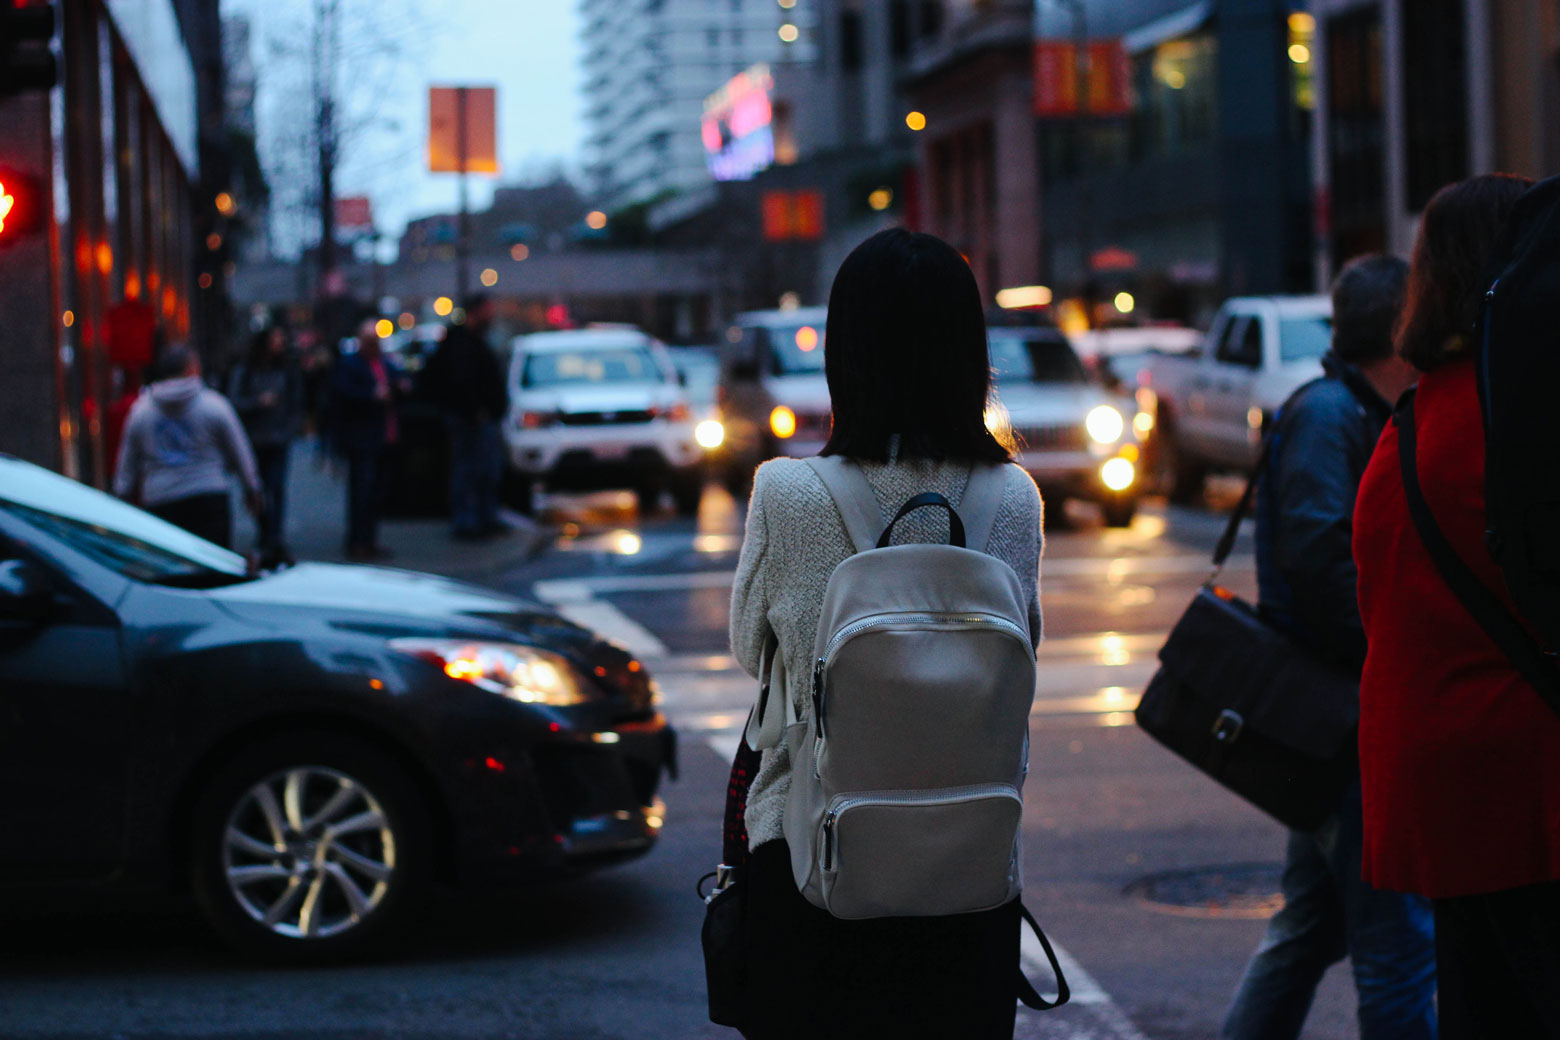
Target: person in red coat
<point>1459,757</point>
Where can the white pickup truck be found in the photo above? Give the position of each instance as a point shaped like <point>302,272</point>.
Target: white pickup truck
<point>1211,406</point>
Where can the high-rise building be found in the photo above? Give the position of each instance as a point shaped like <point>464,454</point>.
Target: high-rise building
<point>649,65</point>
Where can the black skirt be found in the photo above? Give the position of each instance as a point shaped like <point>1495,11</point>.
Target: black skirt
<point>812,976</point>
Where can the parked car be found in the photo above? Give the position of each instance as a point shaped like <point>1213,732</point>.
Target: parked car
<point>1075,437</point>
<point>1210,407</point>
<point>598,408</point>
<point>305,751</point>
<point>774,399</point>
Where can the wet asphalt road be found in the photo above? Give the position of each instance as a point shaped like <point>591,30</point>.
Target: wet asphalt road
<point>1152,879</point>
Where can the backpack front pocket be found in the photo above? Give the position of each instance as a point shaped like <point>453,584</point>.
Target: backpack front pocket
<point>945,851</point>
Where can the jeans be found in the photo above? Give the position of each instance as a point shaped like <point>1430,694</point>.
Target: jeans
<point>271,459</point>
<point>205,516</point>
<point>476,468</point>
<point>1330,913</point>
<point>365,487</point>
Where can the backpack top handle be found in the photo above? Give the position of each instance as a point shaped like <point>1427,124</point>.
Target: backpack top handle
<point>927,498</point>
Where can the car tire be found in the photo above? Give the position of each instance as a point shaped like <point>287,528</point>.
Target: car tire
<point>1118,512</point>
<point>1183,479</point>
<point>518,492</point>
<point>649,498</point>
<point>687,492</point>
<point>310,832</point>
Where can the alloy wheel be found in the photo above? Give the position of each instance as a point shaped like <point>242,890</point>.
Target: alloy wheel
<point>309,853</point>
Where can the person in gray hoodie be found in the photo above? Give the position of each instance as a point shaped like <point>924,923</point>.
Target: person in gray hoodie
<point>180,442</point>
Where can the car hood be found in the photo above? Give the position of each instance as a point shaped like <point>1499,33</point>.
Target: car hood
<point>804,395</point>
<point>626,398</point>
<point>384,603</point>
<point>350,596</point>
<point>1055,404</point>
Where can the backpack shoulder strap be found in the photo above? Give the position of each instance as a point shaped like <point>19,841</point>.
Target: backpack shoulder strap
<point>981,502</point>
<point>1497,620</point>
<point>854,497</point>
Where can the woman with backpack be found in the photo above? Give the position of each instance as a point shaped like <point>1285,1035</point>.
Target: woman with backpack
<point>909,380</point>
<point>1459,755</point>
<point>266,389</point>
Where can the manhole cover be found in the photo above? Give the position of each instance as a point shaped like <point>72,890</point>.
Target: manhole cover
<point>1235,890</point>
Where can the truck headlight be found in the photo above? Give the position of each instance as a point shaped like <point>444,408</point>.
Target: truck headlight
<point>521,673</point>
<point>1105,424</point>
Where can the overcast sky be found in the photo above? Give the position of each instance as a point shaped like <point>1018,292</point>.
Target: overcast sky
<point>529,49</point>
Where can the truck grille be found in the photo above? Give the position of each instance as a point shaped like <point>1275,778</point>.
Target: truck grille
<point>1053,438</point>
<point>604,418</point>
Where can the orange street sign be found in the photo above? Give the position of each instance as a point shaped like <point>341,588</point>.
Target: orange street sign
<point>462,130</point>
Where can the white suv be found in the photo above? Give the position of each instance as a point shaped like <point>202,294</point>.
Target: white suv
<point>599,408</point>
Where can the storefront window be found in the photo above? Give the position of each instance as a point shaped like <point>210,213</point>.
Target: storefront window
<point>1177,96</point>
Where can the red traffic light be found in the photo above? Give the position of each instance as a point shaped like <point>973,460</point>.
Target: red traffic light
<point>21,205</point>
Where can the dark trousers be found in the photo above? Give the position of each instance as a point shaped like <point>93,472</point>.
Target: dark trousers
<point>814,976</point>
<point>1499,961</point>
<point>1328,913</point>
<point>272,462</point>
<point>476,468</point>
<point>365,488</point>
<point>206,516</point>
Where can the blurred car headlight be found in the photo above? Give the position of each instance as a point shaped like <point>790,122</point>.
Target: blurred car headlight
<point>783,422</point>
<point>521,673</point>
<point>1105,424</point>
<point>710,433</point>
<point>1118,474</point>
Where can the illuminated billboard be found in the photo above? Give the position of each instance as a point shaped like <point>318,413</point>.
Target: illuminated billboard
<point>738,126</point>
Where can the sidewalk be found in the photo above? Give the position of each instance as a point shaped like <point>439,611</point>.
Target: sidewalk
<point>316,521</point>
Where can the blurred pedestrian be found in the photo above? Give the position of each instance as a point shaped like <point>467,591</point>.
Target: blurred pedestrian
<point>1321,443</point>
<point>364,386</point>
<point>909,379</point>
<point>1459,755</point>
<point>466,380</point>
<point>266,389</point>
<point>180,442</point>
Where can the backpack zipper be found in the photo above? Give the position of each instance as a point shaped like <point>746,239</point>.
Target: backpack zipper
<point>855,628</point>
<point>944,796</point>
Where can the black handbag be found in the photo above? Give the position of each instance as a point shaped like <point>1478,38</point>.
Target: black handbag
<point>1249,706</point>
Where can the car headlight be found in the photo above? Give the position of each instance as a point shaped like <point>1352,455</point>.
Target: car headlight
<point>1105,424</point>
<point>521,673</point>
<point>710,433</point>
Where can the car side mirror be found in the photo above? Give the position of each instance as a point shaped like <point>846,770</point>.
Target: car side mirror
<point>27,596</point>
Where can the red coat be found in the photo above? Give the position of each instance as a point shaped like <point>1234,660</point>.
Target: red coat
<point>1459,757</point>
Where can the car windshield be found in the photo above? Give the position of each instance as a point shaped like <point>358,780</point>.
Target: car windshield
<point>1034,361</point>
<point>122,538</point>
<point>610,365</point>
<point>796,349</point>
<point>1301,339</point>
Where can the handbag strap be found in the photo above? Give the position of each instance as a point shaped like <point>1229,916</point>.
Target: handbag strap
<point>1026,989</point>
<point>1226,544</point>
<point>1497,620</point>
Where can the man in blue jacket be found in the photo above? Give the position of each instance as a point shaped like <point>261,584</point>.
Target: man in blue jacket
<point>1307,586</point>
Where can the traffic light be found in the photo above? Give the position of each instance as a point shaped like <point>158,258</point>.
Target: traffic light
<point>21,206</point>
<point>26,60</point>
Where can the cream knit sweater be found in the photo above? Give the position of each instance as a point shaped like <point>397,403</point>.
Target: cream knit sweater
<point>794,540</point>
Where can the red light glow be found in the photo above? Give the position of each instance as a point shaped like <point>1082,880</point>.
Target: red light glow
<point>494,764</point>
<point>6,202</point>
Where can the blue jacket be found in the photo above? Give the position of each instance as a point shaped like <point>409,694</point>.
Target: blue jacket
<point>1307,583</point>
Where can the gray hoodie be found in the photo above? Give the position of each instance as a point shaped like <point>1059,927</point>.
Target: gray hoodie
<point>180,440</point>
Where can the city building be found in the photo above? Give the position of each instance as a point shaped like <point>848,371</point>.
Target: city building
<point>250,192</point>
<point>649,65</point>
<point>1420,93</point>
<point>122,252</point>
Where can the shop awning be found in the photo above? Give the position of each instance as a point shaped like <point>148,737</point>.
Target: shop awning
<point>1169,27</point>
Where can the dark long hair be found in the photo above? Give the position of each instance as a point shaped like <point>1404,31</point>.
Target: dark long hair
<point>906,353</point>
<point>1457,234</point>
